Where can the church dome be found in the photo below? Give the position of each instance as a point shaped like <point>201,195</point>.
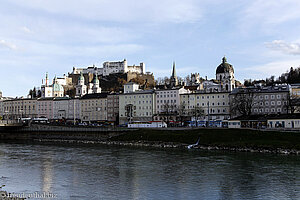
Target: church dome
<point>224,67</point>
<point>56,86</point>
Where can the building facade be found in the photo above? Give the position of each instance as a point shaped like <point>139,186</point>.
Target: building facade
<point>45,107</point>
<point>136,106</point>
<point>113,108</point>
<point>19,108</point>
<point>215,105</point>
<point>66,108</point>
<point>260,100</point>
<point>111,68</point>
<point>94,107</point>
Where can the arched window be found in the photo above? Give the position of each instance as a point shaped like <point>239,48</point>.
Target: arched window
<point>226,87</point>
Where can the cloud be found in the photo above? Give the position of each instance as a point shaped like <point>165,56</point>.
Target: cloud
<point>284,47</point>
<point>275,68</point>
<point>26,29</point>
<point>273,12</point>
<point>270,17</point>
<point>8,45</point>
<point>119,10</point>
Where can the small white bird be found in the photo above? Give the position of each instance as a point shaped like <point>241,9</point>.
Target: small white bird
<point>193,145</point>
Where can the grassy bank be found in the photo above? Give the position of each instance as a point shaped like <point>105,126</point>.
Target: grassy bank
<point>239,138</point>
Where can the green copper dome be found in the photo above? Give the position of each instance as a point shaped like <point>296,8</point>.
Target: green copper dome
<point>224,67</point>
<point>56,86</point>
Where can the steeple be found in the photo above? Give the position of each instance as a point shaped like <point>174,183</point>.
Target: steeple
<point>96,88</point>
<point>174,71</point>
<point>46,81</point>
<point>81,79</point>
<point>224,60</point>
<point>173,79</point>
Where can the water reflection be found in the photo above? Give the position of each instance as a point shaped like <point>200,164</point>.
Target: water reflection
<point>95,172</point>
<point>47,173</point>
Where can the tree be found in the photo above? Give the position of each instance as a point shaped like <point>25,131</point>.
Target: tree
<point>292,104</point>
<point>129,112</point>
<point>181,111</point>
<point>168,111</point>
<point>196,112</point>
<point>242,102</point>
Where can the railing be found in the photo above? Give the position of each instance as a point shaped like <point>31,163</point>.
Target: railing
<point>9,122</point>
<point>51,128</point>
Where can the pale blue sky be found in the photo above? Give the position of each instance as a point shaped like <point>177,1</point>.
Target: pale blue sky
<point>259,37</point>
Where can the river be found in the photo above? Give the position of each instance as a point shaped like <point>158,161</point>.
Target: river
<point>111,172</point>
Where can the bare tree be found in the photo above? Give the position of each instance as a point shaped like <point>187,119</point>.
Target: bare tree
<point>168,111</point>
<point>242,102</point>
<point>181,111</point>
<point>292,104</point>
<point>196,112</point>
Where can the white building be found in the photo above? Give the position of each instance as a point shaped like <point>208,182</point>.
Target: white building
<point>58,90</point>
<point>81,88</point>
<point>136,105</point>
<point>112,68</point>
<point>225,75</point>
<point>168,98</point>
<point>47,89</point>
<point>216,105</point>
<point>66,108</point>
<point>131,87</point>
<point>45,107</point>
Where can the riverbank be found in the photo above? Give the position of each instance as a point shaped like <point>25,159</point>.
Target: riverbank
<point>247,140</point>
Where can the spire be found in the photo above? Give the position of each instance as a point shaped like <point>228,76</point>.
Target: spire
<point>46,81</point>
<point>174,71</point>
<point>224,59</point>
<point>173,79</point>
<point>81,76</point>
<point>96,80</point>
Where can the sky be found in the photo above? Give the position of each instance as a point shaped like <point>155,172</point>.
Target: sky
<point>259,38</point>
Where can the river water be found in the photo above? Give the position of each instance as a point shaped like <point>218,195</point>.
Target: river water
<point>111,172</point>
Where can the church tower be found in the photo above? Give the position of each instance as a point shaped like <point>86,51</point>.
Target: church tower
<point>225,75</point>
<point>96,87</point>
<point>46,89</point>
<point>173,79</point>
<point>81,87</point>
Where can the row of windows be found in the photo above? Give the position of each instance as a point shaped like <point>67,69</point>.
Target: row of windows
<point>166,95</point>
<point>139,96</point>
<point>273,103</point>
<point>139,102</point>
<point>208,103</point>
<point>141,114</point>
<point>261,110</point>
<point>272,96</point>
<point>164,106</point>
<point>167,101</point>
<point>207,97</point>
<point>166,92</point>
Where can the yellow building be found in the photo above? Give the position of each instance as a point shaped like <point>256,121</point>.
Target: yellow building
<point>214,104</point>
